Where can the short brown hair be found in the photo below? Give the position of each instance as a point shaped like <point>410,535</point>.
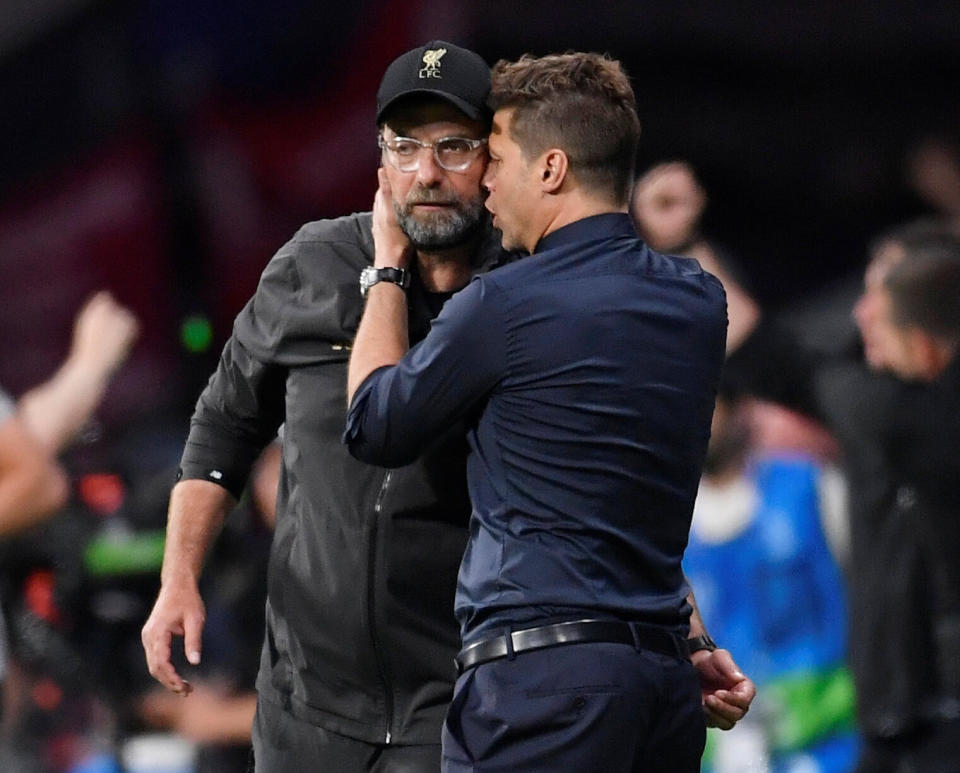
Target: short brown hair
<point>579,102</point>
<point>925,290</point>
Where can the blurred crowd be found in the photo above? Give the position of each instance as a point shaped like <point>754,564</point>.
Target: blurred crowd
<point>821,547</point>
<point>824,538</point>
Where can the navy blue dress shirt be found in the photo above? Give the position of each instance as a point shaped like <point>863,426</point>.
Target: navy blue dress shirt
<point>587,373</point>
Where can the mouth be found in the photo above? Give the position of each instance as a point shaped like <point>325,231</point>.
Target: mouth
<point>432,206</point>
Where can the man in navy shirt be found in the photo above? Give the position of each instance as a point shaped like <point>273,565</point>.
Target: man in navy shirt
<point>587,373</point>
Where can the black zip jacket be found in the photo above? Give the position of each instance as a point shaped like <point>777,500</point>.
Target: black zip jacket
<point>360,634</point>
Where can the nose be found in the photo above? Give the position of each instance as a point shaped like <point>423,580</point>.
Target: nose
<point>487,180</point>
<point>429,172</point>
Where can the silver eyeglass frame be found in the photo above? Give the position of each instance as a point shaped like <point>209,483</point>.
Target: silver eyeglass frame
<point>390,153</point>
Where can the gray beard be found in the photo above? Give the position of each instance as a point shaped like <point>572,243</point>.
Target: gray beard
<point>442,230</point>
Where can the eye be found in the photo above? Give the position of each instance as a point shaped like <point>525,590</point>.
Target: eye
<point>454,146</point>
<point>404,147</point>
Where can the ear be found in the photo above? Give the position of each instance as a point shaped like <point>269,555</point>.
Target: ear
<point>553,169</point>
<point>930,355</point>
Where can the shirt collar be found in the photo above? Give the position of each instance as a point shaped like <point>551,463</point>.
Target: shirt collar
<point>605,226</point>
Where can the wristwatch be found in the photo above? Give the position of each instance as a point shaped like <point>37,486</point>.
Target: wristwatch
<point>704,642</point>
<point>371,275</point>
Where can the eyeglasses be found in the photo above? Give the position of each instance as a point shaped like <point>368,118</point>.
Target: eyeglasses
<point>455,154</point>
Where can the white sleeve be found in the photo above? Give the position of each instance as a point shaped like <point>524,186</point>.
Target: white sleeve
<point>834,512</point>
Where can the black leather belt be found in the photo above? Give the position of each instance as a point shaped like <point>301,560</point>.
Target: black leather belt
<point>639,635</point>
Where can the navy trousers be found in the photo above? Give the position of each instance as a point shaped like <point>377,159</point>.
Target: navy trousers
<point>576,708</point>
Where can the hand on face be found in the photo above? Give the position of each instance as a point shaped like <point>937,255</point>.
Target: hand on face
<point>391,246</point>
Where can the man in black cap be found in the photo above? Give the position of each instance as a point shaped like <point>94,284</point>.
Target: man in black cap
<point>357,665</point>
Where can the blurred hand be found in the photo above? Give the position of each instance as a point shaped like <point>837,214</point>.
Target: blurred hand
<point>211,715</point>
<point>726,692</point>
<point>668,202</point>
<point>178,611</point>
<point>391,245</point>
<point>743,313</point>
<point>103,333</point>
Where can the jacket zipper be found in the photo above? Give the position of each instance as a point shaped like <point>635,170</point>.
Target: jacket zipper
<point>372,607</point>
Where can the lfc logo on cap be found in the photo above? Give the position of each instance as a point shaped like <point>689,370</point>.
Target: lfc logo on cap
<point>431,62</point>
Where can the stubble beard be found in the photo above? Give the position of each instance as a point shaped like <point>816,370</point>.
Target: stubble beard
<point>430,232</point>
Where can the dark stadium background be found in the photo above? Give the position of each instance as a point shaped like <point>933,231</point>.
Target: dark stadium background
<point>165,148</point>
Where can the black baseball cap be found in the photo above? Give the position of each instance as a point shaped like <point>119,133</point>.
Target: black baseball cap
<point>440,69</point>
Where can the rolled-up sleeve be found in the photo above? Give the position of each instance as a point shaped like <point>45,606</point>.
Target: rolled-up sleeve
<point>237,414</point>
<point>242,406</point>
<point>398,410</point>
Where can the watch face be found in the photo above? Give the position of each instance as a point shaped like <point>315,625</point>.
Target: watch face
<point>368,278</point>
<point>371,275</point>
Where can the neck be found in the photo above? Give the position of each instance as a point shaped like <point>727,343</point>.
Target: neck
<point>446,271</point>
<point>573,208</point>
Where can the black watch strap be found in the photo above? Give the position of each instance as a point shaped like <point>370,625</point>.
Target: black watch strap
<point>704,642</point>
<point>371,276</point>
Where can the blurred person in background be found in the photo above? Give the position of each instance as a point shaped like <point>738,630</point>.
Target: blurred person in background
<point>762,562</point>
<point>32,484</point>
<point>916,335</point>
<point>903,634</point>
<point>667,206</point>
<point>48,417</point>
<point>932,170</point>
<point>906,705</point>
<point>34,430</point>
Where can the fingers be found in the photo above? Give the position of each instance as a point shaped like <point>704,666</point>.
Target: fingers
<point>192,635</point>
<point>156,647</point>
<point>727,692</point>
<point>724,708</point>
<point>169,619</point>
<point>724,668</point>
<point>391,245</point>
<point>742,694</point>
<point>720,715</point>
